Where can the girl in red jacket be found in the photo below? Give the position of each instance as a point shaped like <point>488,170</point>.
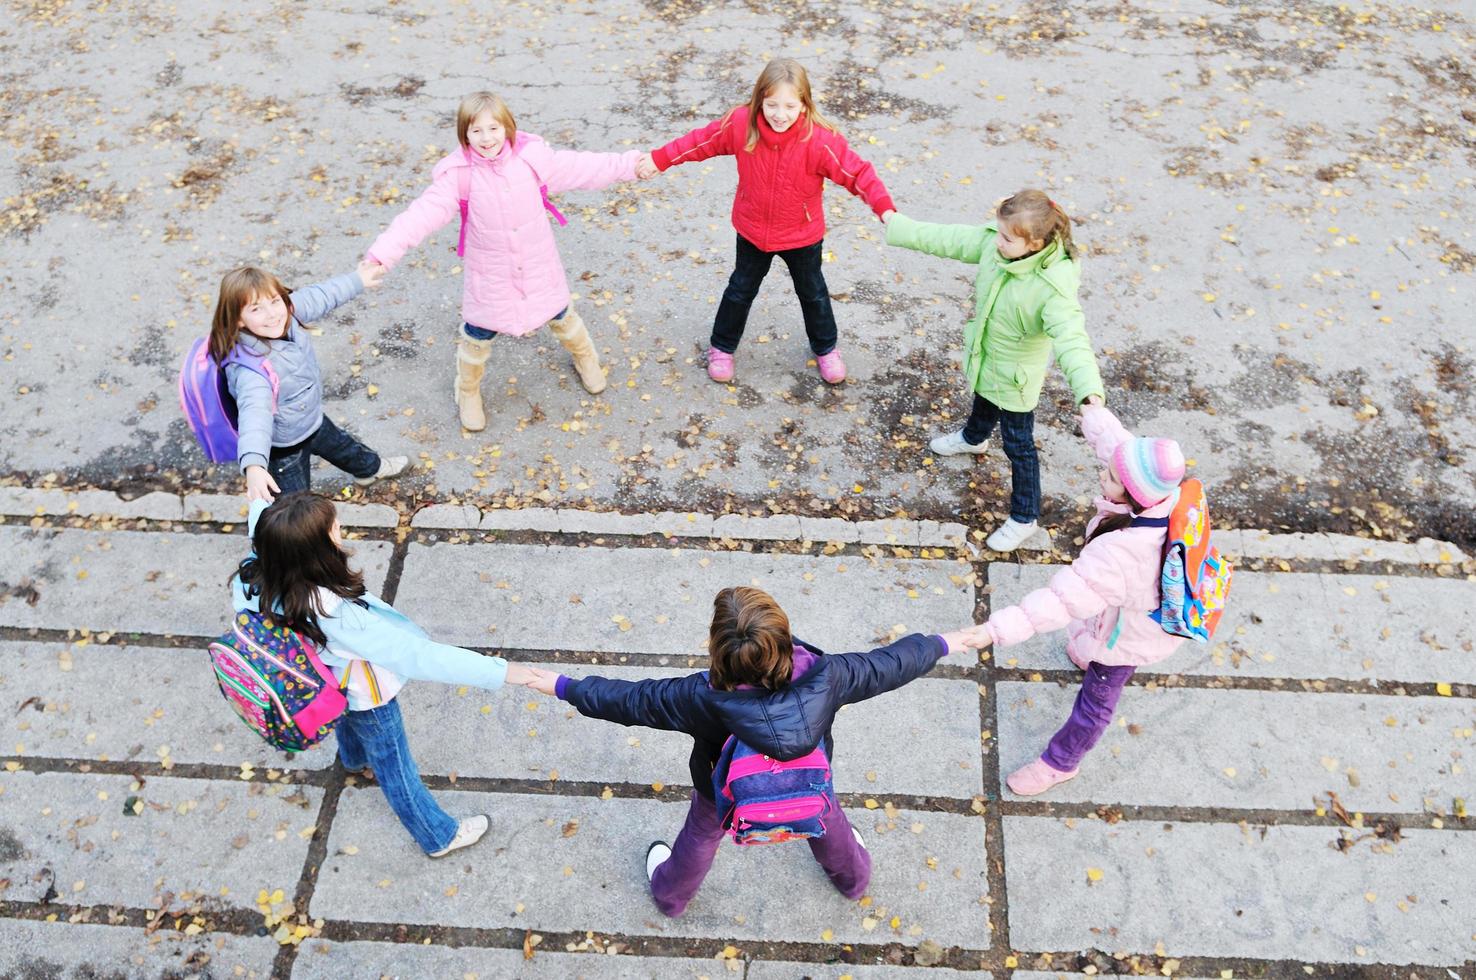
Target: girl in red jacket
<point>784,149</point>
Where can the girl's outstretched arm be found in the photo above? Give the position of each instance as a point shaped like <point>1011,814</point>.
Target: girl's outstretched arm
<point>967,243</point>
<point>842,165</point>
<point>665,703</point>
<point>1064,322</point>
<point>356,628</point>
<point>314,302</point>
<point>569,170</point>
<point>428,213</point>
<point>858,676</point>
<point>1102,430</point>
<point>1089,585</point>
<point>714,139</point>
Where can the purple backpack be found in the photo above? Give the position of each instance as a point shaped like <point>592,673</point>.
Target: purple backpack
<point>273,678</point>
<point>206,400</point>
<point>765,801</point>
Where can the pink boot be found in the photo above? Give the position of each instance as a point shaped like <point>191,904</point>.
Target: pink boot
<point>1036,778</point>
<point>719,365</point>
<point>832,368</point>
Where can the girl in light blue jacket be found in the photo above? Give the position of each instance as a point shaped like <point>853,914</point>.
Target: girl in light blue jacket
<point>298,568</point>
<point>272,372</point>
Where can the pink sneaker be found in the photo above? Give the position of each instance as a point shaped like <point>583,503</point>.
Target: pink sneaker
<point>1036,778</point>
<point>832,368</point>
<point>719,365</point>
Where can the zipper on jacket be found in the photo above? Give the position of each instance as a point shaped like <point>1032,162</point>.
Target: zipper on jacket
<point>247,668</point>
<point>264,653</point>
<point>807,212</point>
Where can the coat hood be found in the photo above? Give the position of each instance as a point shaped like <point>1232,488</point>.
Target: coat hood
<point>787,723</point>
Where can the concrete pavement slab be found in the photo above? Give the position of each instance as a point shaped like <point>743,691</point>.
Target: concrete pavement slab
<point>133,581</point>
<point>1224,890</point>
<point>232,509</point>
<point>75,705</point>
<point>37,501</point>
<point>1299,625</point>
<point>43,950</point>
<point>219,840</point>
<point>1252,749</point>
<point>574,864</point>
<point>776,970</point>
<point>659,601</point>
<point>320,960</point>
<point>520,735</point>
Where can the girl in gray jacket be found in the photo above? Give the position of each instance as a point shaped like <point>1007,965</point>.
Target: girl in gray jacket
<point>272,372</point>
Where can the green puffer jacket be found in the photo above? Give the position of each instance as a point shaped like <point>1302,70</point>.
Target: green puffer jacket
<point>1021,309</point>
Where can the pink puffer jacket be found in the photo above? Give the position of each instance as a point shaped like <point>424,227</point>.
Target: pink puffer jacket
<point>1114,581</point>
<point>514,281</point>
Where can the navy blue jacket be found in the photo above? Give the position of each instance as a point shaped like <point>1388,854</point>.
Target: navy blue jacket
<point>785,724</point>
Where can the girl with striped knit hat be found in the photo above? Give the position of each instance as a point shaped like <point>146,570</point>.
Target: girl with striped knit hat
<point>1105,597</point>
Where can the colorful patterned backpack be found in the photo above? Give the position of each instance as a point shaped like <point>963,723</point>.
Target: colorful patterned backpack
<point>206,400</point>
<point>273,678</point>
<point>766,801</point>
<point>1196,579</point>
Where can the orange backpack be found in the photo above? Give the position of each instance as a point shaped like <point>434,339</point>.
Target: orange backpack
<point>1195,579</point>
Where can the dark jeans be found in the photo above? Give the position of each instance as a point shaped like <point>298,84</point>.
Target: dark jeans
<point>292,466</point>
<point>376,738</point>
<point>748,276</point>
<point>1017,432</point>
<point>1090,716</point>
<point>478,333</point>
<point>846,862</point>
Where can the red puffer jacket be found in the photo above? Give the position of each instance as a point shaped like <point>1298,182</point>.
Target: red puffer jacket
<point>778,205</point>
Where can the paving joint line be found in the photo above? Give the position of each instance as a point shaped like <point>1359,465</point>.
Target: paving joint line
<point>241,923</point>
<point>986,670</point>
<point>1223,682</point>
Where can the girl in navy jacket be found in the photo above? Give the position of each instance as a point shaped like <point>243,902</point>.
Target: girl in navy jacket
<point>777,695</point>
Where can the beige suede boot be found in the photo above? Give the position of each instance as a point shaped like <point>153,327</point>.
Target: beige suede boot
<point>572,333</point>
<point>471,364</point>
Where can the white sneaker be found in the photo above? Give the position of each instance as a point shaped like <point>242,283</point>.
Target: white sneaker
<point>952,444</point>
<point>468,832</point>
<point>656,856</point>
<point>1011,534</point>
<point>388,466</point>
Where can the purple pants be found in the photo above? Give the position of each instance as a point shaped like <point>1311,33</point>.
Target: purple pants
<point>672,886</point>
<point>1090,716</point>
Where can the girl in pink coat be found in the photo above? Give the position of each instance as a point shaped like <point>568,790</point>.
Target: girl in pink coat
<point>1105,597</point>
<point>499,182</point>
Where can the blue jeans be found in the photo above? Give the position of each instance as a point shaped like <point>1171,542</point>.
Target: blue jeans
<point>376,738</point>
<point>477,333</point>
<point>1017,432</point>
<point>748,276</point>
<point>292,466</point>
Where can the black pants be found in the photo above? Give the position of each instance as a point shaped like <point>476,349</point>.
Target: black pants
<point>292,466</point>
<point>1017,432</point>
<point>748,276</point>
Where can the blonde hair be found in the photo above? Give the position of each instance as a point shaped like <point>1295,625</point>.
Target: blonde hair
<point>1036,217</point>
<point>474,105</point>
<point>783,71</point>
<point>237,289</point>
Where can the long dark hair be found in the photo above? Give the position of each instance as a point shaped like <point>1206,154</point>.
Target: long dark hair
<point>295,557</point>
<point>1115,522</point>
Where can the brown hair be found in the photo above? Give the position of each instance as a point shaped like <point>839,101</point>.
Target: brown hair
<point>237,289</point>
<point>474,105</point>
<point>294,557</point>
<point>782,71</point>
<point>1035,217</point>
<point>749,642</point>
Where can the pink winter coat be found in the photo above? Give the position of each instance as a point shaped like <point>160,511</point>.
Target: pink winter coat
<point>514,281</point>
<point>1114,580</point>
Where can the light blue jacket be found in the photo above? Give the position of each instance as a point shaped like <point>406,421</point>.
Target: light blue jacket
<point>384,636</point>
<point>299,382</point>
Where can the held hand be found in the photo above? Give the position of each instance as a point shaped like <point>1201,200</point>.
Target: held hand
<point>519,675</point>
<point>372,273</point>
<point>542,681</point>
<point>260,485</point>
<point>970,638</point>
<point>646,167</point>
<point>887,215</point>
<point>1093,400</point>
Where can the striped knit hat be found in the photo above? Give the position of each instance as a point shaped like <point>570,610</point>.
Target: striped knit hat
<point>1150,469</point>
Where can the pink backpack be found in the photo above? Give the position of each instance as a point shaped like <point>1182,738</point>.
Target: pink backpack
<point>463,198</point>
<point>206,400</point>
<point>762,800</point>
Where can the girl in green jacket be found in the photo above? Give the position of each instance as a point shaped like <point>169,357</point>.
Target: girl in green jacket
<point>1024,304</point>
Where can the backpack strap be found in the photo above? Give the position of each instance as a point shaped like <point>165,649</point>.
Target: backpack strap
<point>1149,522</point>
<point>463,199</point>
<point>543,190</point>
<point>261,365</point>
